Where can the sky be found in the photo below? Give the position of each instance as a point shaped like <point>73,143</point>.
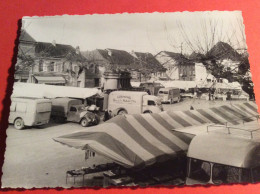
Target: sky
<point>141,32</point>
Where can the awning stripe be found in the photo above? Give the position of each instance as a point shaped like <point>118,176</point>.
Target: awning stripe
<point>190,113</point>
<point>179,119</point>
<point>162,121</point>
<point>169,119</point>
<point>224,115</point>
<point>155,133</point>
<point>186,117</point>
<point>140,140</point>
<point>251,107</point>
<point>108,141</point>
<point>150,137</point>
<point>237,114</point>
<point>118,133</point>
<point>208,116</point>
<point>216,116</point>
<point>165,132</point>
<point>244,109</point>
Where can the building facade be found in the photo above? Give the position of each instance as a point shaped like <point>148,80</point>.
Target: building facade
<point>180,68</point>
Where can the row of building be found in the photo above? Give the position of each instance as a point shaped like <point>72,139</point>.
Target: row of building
<point>59,64</point>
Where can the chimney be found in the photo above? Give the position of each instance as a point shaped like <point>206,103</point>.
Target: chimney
<point>54,43</point>
<point>109,52</point>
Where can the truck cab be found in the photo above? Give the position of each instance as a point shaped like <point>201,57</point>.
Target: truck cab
<point>216,158</point>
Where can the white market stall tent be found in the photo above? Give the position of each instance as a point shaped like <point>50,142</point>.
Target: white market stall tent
<point>50,91</point>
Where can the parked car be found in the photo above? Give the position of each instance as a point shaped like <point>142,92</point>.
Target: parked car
<point>73,110</point>
<point>29,112</point>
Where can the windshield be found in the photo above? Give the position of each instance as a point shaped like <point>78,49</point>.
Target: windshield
<point>80,108</point>
<point>199,170</point>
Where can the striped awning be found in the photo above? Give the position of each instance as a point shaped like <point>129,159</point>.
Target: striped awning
<point>142,140</point>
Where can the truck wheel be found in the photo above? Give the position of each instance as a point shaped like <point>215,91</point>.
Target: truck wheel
<point>19,124</point>
<point>84,122</point>
<point>122,112</point>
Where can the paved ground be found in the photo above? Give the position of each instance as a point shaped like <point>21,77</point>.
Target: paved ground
<point>33,159</point>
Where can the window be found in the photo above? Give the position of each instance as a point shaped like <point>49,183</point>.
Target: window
<point>225,174</point>
<point>51,67</point>
<point>21,107</point>
<point>73,109</point>
<point>151,103</point>
<point>75,68</point>
<point>40,65</point>
<point>199,170</point>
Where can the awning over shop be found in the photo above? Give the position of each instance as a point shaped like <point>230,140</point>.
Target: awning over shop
<point>145,139</point>
<point>50,80</point>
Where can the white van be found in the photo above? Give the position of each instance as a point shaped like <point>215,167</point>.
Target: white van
<point>216,158</point>
<point>29,112</point>
<point>169,95</point>
<point>131,102</point>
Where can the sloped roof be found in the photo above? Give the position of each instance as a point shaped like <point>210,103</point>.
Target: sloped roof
<point>196,57</point>
<point>25,37</point>
<point>180,58</point>
<point>119,57</point>
<point>223,50</point>
<point>43,49</point>
<point>149,61</point>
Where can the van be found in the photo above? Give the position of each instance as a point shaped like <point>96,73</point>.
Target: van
<point>216,158</point>
<point>131,102</point>
<point>29,112</point>
<point>169,95</point>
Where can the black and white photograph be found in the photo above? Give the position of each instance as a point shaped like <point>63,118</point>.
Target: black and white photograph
<point>132,99</point>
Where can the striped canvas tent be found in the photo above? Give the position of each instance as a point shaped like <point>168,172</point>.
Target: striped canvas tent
<point>142,140</point>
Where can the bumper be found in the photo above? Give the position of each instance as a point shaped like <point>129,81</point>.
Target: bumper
<point>41,122</point>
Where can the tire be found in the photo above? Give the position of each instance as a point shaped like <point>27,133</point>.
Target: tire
<point>84,122</point>
<point>19,124</point>
<point>122,112</point>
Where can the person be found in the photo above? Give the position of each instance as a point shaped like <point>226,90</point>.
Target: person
<point>229,95</point>
<point>106,116</point>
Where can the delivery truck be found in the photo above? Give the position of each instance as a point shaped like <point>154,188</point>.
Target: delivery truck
<point>73,110</point>
<point>29,112</point>
<point>216,158</point>
<point>132,102</point>
<point>169,95</point>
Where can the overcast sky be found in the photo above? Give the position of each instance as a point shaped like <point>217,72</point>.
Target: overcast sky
<point>149,32</point>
